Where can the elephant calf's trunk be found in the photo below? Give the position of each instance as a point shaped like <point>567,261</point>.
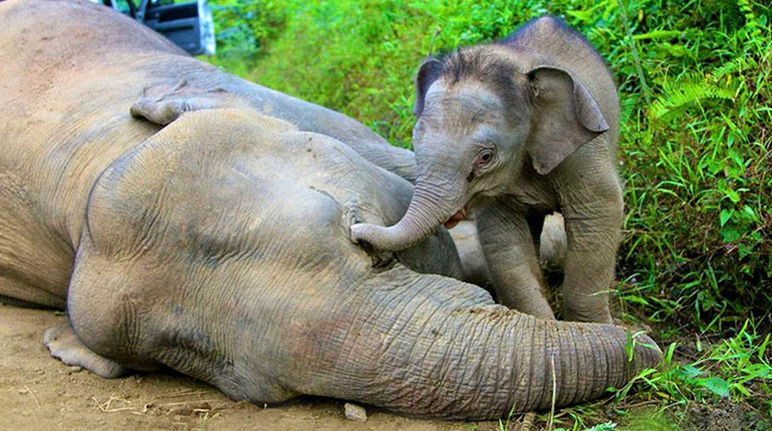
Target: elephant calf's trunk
<point>425,213</point>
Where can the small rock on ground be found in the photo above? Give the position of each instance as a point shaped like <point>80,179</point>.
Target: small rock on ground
<point>354,412</point>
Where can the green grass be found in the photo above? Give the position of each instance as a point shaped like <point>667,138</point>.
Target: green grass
<point>694,79</point>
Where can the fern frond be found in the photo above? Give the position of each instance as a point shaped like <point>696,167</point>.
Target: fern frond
<point>750,18</point>
<point>679,94</point>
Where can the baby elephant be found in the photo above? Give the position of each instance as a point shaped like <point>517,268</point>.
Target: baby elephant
<point>518,129</point>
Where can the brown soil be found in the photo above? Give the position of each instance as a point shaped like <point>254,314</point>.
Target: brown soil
<point>725,415</point>
<point>37,392</point>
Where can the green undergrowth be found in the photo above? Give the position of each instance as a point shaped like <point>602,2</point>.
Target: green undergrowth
<point>694,79</point>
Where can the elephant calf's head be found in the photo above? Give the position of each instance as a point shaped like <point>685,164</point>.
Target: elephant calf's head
<point>486,115</point>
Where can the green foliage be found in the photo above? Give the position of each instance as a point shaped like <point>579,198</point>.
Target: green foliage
<point>737,368</point>
<point>244,26</point>
<point>699,157</point>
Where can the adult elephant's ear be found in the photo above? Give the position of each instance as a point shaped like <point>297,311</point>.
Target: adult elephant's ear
<point>164,103</point>
<point>565,117</point>
<point>428,72</point>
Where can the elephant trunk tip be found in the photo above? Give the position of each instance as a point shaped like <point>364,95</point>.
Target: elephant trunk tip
<point>379,237</point>
<point>647,353</point>
<point>426,212</point>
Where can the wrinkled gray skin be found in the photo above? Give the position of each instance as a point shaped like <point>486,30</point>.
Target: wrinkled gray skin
<point>218,246</point>
<point>520,128</point>
<point>474,268</point>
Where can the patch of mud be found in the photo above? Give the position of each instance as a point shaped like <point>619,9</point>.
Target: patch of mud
<point>37,392</point>
<point>726,415</point>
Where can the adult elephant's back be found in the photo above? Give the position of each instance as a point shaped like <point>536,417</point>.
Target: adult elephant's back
<point>66,87</point>
<point>65,90</point>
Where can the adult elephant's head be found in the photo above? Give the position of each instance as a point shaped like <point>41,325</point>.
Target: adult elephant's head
<point>486,116</point>
<point>223,240</point>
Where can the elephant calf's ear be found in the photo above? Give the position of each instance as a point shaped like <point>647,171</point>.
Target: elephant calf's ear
<point>565,117</point>
<point>428,72</point>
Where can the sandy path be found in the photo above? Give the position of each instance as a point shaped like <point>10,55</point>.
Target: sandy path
<point>37,392</point>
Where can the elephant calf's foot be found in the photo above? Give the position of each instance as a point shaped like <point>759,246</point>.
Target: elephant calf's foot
<point>63,344</point>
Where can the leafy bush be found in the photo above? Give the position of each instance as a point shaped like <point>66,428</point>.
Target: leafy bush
<point>695,140</point>
<point>244,26</point>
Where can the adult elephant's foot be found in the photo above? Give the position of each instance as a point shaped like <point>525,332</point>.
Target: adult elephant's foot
<point>65,345</point>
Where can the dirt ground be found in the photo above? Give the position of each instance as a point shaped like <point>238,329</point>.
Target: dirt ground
<point>37,392</point>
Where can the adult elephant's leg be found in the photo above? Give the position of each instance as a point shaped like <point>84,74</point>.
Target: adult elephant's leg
<point>510,252</point>
<point>164,102</point>
<point>65,345</point>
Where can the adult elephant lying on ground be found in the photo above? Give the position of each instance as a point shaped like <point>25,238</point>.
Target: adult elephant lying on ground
<point>218,246</point>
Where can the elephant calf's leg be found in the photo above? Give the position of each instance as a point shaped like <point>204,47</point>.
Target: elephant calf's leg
<point>509,250</point>
<point>65,345</point>
<point>593,234</point>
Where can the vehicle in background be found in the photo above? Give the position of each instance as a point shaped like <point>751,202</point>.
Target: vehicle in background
<point>188,24</point>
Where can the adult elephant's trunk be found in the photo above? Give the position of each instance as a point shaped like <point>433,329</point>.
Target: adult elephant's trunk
<point>430,206</point>
<point>442,348</point>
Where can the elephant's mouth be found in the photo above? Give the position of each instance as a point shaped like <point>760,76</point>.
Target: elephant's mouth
<point>456,218</point>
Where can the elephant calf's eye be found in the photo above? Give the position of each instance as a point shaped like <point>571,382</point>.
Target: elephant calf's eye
<point>484,158</point>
